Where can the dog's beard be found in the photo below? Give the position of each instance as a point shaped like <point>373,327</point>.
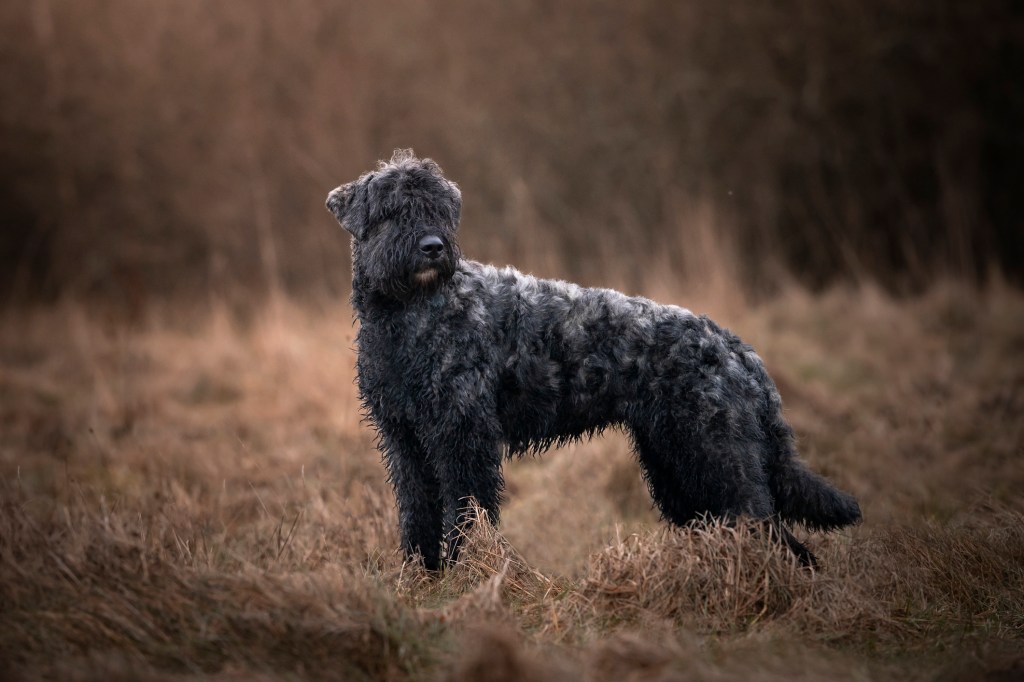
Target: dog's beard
<point>426,277</point>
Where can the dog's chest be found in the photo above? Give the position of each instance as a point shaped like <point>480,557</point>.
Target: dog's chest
<point>389,357</point>
<point>414,362</point>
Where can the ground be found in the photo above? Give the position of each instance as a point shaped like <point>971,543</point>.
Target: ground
<point>193,495</point>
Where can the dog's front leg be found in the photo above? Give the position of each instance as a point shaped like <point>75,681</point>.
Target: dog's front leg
<point>420,504</point>
<point>468,470</point>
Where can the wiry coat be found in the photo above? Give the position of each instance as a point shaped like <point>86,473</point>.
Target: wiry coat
<point>461,364</point>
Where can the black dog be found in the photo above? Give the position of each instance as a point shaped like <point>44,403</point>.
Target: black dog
<point>460,363</point>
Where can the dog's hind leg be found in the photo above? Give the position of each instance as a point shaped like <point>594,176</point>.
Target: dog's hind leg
<point>776,531</point>
<point>804,555</point>
<point>693,473</point>
<point>710,473</point>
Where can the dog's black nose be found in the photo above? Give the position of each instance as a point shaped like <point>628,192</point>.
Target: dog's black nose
<point>431,246</point>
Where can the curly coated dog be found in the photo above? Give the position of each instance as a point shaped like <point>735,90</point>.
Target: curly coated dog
<point>462,364</point>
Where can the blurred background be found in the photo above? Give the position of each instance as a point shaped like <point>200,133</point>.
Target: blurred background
<point>156,150</point>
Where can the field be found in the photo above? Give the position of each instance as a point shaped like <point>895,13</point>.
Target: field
<point>193,495</point>
<point>188,490</point>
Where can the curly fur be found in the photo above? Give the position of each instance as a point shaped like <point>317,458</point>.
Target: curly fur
<point>461,364</point>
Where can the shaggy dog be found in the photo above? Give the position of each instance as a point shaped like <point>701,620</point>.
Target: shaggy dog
<point>462,364</point>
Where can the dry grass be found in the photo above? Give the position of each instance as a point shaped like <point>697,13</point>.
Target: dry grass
<point>195,497</point>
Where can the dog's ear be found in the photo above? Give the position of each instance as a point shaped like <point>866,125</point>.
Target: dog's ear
<point>339,203</point>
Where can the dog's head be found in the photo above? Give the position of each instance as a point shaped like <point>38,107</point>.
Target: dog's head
<point>403,218</point>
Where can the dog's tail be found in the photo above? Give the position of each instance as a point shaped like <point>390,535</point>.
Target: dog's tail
<point>802,496</point>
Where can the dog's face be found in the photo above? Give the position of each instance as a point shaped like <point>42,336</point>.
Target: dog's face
<point>403,218</point>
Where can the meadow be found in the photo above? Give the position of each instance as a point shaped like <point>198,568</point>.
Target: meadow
<point>194,495</point>
<point>188,490</point>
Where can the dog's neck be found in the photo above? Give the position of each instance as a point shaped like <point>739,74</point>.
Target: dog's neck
<point>372,304</point>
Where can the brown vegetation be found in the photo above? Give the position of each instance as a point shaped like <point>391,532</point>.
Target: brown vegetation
<point>196,497</point>
<point>152,149</point>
